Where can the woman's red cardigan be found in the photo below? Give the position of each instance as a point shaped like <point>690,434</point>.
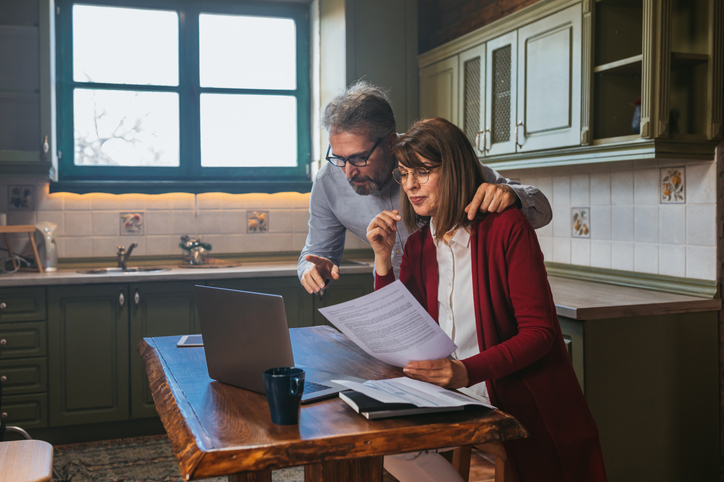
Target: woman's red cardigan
<point>522,358</point>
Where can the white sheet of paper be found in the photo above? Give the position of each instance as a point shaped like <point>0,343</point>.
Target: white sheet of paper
<point>408,390</point>
<point>391,325</point>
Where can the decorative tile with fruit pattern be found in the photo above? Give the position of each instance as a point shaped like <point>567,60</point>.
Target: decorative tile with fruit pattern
<point>257,221</point>
<point>131,223</point>
<point>673,182</point>
<point>581,222</point>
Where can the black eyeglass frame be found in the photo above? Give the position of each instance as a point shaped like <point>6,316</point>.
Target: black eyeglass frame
<point>396,173</point>
<point>335,160</point>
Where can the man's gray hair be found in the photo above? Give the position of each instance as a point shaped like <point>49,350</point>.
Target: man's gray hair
<point>363,107</point>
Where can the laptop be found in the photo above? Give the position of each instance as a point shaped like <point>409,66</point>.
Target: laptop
<point>246,333</point>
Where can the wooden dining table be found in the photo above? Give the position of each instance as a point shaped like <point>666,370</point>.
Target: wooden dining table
<point>217,429</point>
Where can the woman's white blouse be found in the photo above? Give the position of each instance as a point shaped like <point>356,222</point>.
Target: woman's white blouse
<point>456,309</point>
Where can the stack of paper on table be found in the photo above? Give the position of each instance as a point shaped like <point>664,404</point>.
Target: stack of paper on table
<point>396,397</point>
<point>392,326</point>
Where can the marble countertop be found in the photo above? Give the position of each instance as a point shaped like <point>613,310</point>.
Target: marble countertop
<point>249,269</point>
<point>574,298</point>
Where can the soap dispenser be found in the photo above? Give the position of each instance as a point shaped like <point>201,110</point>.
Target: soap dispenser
<point>50,260</point>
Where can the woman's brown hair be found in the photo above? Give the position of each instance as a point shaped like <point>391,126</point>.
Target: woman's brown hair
<point>443,144</point>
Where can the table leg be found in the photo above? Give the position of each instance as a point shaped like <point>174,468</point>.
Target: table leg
<point>368,469</point>
<point>261,476</point>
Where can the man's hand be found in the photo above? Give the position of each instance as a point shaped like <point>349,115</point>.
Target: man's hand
<point>381,234</point>
<point>493,198</point>
<point>445,373</point>
<point>316,275</point>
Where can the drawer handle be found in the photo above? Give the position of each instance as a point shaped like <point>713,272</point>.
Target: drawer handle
<point>3,379</point>
<point>3,342</point>
<point>4,415</point>
<point>3,305</point>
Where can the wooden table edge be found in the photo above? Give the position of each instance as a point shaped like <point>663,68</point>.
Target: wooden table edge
<point>188,453</point>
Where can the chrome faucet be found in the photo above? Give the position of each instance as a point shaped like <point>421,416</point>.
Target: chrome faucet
<point>123,255</point>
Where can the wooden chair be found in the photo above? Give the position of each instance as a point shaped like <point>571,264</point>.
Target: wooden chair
<point>460,459</point>
<point>503,470</point>
<point>26,461</point>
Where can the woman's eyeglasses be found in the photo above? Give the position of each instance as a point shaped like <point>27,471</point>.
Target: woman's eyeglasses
<point>420,174</point>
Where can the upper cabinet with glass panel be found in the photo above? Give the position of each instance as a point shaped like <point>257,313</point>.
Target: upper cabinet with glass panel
<point>183,90</point>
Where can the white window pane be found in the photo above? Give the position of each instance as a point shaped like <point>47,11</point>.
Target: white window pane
<point>248,130</point>
<point>115,128</point>
<point>247,52</point>
<point>125,46</point>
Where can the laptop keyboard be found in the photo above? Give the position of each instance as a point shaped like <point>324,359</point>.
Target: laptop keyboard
<point>311,387</point>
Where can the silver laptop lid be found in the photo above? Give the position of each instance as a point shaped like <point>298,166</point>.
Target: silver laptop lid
<point>244,334</point>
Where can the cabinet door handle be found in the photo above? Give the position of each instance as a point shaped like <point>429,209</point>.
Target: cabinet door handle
<point>4,415</point>
<point>477,142</point>
<point>137,298</point>
<point>485,141</point>
<point>520,124</point>
<point>3,342</point>
<point>3,379</point>
<point>121,299</point>
<point>3,305</point>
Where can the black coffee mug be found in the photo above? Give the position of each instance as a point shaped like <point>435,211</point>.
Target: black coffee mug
<point>284,387</point>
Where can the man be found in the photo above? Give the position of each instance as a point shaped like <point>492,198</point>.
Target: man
<point>356,185</point>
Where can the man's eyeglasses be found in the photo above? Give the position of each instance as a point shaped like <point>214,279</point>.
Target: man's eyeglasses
<point>420,174</point>
<point>354,160</point>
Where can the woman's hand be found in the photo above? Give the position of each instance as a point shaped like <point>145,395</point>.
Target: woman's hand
<point>381,234</point>
<point>444,373</point>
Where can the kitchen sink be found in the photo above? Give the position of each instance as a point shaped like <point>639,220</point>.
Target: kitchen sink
<point>136,269</point>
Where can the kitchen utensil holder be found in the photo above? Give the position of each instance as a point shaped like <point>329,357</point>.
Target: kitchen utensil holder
<point>21,228</point>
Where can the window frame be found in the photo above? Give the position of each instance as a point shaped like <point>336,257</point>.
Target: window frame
<point>189,175</point>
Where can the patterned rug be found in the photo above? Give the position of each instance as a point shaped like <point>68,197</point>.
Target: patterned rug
<point>137,459</point>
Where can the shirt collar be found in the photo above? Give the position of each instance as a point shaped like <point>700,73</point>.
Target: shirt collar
<point>461,236</point>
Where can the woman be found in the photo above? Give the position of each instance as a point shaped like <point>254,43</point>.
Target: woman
<point>485,283</point>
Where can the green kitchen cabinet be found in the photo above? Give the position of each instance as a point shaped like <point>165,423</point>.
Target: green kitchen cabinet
<point>347,287</point>
<point>652,385</point>
<point>563,82</point>
<point>156,309</point>
<point>26,135</point>
<point>23,357</point>
<point>89,348</point>
<point>297,302</point>
<point>96,374</point>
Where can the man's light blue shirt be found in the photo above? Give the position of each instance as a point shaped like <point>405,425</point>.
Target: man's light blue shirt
<point>334,208</point>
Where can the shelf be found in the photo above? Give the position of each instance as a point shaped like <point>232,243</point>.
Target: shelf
<point>616,140</point>
<point>681,60</point>
<point>629,66</point>
<point>620,3</point>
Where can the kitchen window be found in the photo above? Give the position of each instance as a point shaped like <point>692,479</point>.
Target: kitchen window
<point>166,95</point>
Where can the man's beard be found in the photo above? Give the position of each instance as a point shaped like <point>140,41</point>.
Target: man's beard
<point>372,186</point>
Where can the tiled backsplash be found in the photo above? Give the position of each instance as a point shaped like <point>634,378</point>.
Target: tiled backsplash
<point>632,221</point>
<point>631,224</point>
<point>89,225</point>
